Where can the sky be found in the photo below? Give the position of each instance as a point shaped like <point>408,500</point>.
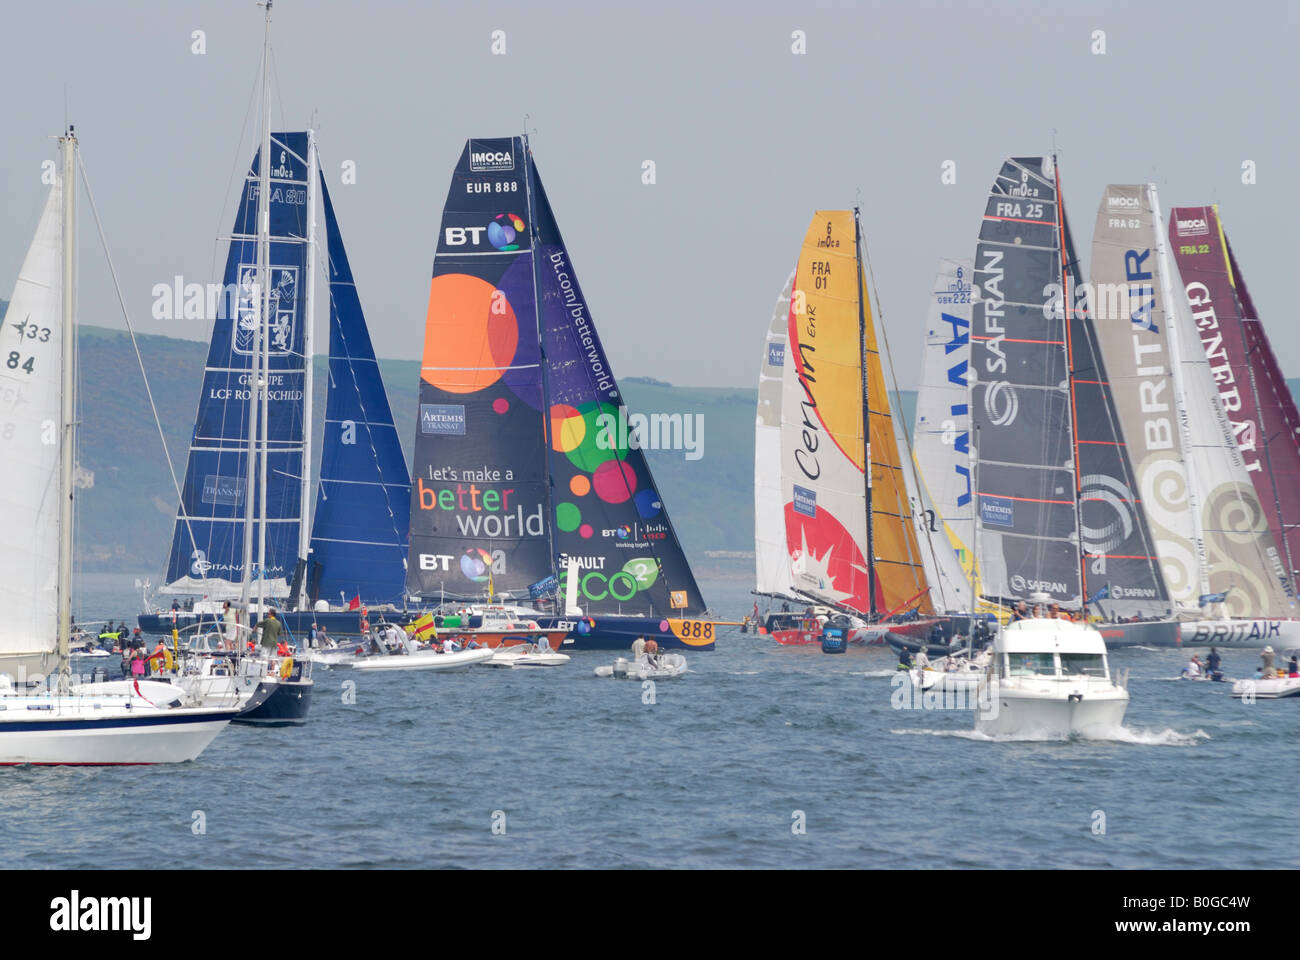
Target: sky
<point>748,139</point>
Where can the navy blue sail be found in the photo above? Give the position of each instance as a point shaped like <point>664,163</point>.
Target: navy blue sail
<point>363,506</point>
<point>208,541</point>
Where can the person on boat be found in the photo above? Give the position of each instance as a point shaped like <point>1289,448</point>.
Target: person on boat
<point>270,628</point>
<point>652,652</point>
<point>905,659</point>
<point>311,637</point>
<point>785,606</point>
<point>921,660</point>
<point>1193,668</point>
<point>1212,661</point>
<point>1293,666</point>
<point>1021,612</point>
<point>229,623</point>
<point>282,649</point>
<point>638,646</point>
<point>936,634</point>
<point>137,665</point>
<point>1267,657</point>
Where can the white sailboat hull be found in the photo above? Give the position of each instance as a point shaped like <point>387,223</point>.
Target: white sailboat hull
<point>1245,633</point>
<point>77,732</point>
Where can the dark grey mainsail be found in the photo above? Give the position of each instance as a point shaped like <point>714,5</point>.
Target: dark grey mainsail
<point>1047,448</point>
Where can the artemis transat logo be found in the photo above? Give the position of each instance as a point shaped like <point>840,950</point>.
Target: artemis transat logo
<point>76,913</point>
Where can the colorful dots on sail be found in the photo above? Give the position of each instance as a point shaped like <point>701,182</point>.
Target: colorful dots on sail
<point>471,334</point>
<point>585,531</point>
<point>614,481</point>
<point>648,504</point>
<point>602,440</point>
<point>567,517</point>
<point>475,563</point>
<point>568,428</point>
<point>500,405</point>
<point>580,486</point>
<point>503,231</point>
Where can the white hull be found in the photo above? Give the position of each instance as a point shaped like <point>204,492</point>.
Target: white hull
<point>1244,634</point>
<point>670,665</point>
<point>1274,688</point>
<point>946,681</point>
<point>518,660</point>
<point>75,731</point>
<point>426,660</point>
<point>1047,710</point>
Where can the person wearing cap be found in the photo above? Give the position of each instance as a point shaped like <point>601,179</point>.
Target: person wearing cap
<point>1267,658</point>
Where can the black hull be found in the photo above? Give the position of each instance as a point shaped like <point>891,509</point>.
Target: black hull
<point>277,704</point>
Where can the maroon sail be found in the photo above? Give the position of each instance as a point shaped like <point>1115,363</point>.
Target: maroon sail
<point>1251,385</point>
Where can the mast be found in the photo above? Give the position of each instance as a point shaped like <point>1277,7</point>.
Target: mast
<point>1067,305</point>
<point>541,353</point>
<point>309,316</point>
<point>67,455</point>
<point>866,412</point>
<point>263,290</point>
<point>264,325</point>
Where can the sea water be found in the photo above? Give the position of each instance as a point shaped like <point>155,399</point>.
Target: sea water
<point>760,756</point>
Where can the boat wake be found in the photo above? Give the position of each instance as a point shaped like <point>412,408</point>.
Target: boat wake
<point>1145,738</point>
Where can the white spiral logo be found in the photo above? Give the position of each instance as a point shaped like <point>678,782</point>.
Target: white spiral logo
<point>1098,488</point>
<point>1001,403</point>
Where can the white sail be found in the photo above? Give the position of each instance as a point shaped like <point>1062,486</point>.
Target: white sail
<point>1237,551</point>
<point>771,555</point>
<point>942,438</point>
<point>30,368</point>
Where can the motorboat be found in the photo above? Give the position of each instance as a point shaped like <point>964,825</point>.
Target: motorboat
<point>1050,677</point>
<point>425,660</point>
<point>530,655</point>
<point>495,625</point>
<point>1266,688</point>
<point>952,673</point>
<point>658,667</point>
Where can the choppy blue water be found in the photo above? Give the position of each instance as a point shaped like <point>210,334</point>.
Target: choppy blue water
<point>584,774</point>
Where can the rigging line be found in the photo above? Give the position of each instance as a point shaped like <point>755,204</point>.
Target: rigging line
<point>234,169</point>
<point>117,287</point>
<point>907,436</point>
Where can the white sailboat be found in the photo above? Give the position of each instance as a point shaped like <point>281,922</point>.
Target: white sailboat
<point>120,723</point>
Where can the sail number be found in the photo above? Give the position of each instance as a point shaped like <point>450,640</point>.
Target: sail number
<point>32,332</point>
<point>16,362</point>
<point>694,630</point>
<point>1194,249</point>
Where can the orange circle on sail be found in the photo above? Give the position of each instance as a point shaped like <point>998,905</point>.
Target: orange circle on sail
<point>470,334</point>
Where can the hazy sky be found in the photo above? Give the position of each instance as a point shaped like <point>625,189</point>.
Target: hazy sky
<point>747,137</point>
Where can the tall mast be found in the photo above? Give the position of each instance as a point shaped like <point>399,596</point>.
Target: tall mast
<point>264,330</point>
<point>309,321</point>
<point>264,294</point>
<point>1067,304</point>
<point>541,352</point>
<point>67,455</point>
<point>866,410</point>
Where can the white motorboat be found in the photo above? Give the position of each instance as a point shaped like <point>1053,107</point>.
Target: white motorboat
<point>1244,633</point>
<point>527,656</point>
<point>1266,688</point>
<point>1050,678</point>
<point>425,660</point>
<point>662,667</point>
<point>952,673</point>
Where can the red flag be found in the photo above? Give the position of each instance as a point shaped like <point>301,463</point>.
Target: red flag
<point>355,603</point>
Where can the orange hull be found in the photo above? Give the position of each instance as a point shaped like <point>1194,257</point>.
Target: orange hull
<point>505,638</point>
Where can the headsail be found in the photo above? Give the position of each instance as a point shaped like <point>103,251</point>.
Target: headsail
<point>607,511</point>
<point>834,387</point>
<point>479,495</point>
<point>941,442</point>
<point>207,544</point>
<point>363,500</point>
<point>1250,383</point>
<point>771,558</point>
<point>1207,523</point>
<point>30,395</point>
